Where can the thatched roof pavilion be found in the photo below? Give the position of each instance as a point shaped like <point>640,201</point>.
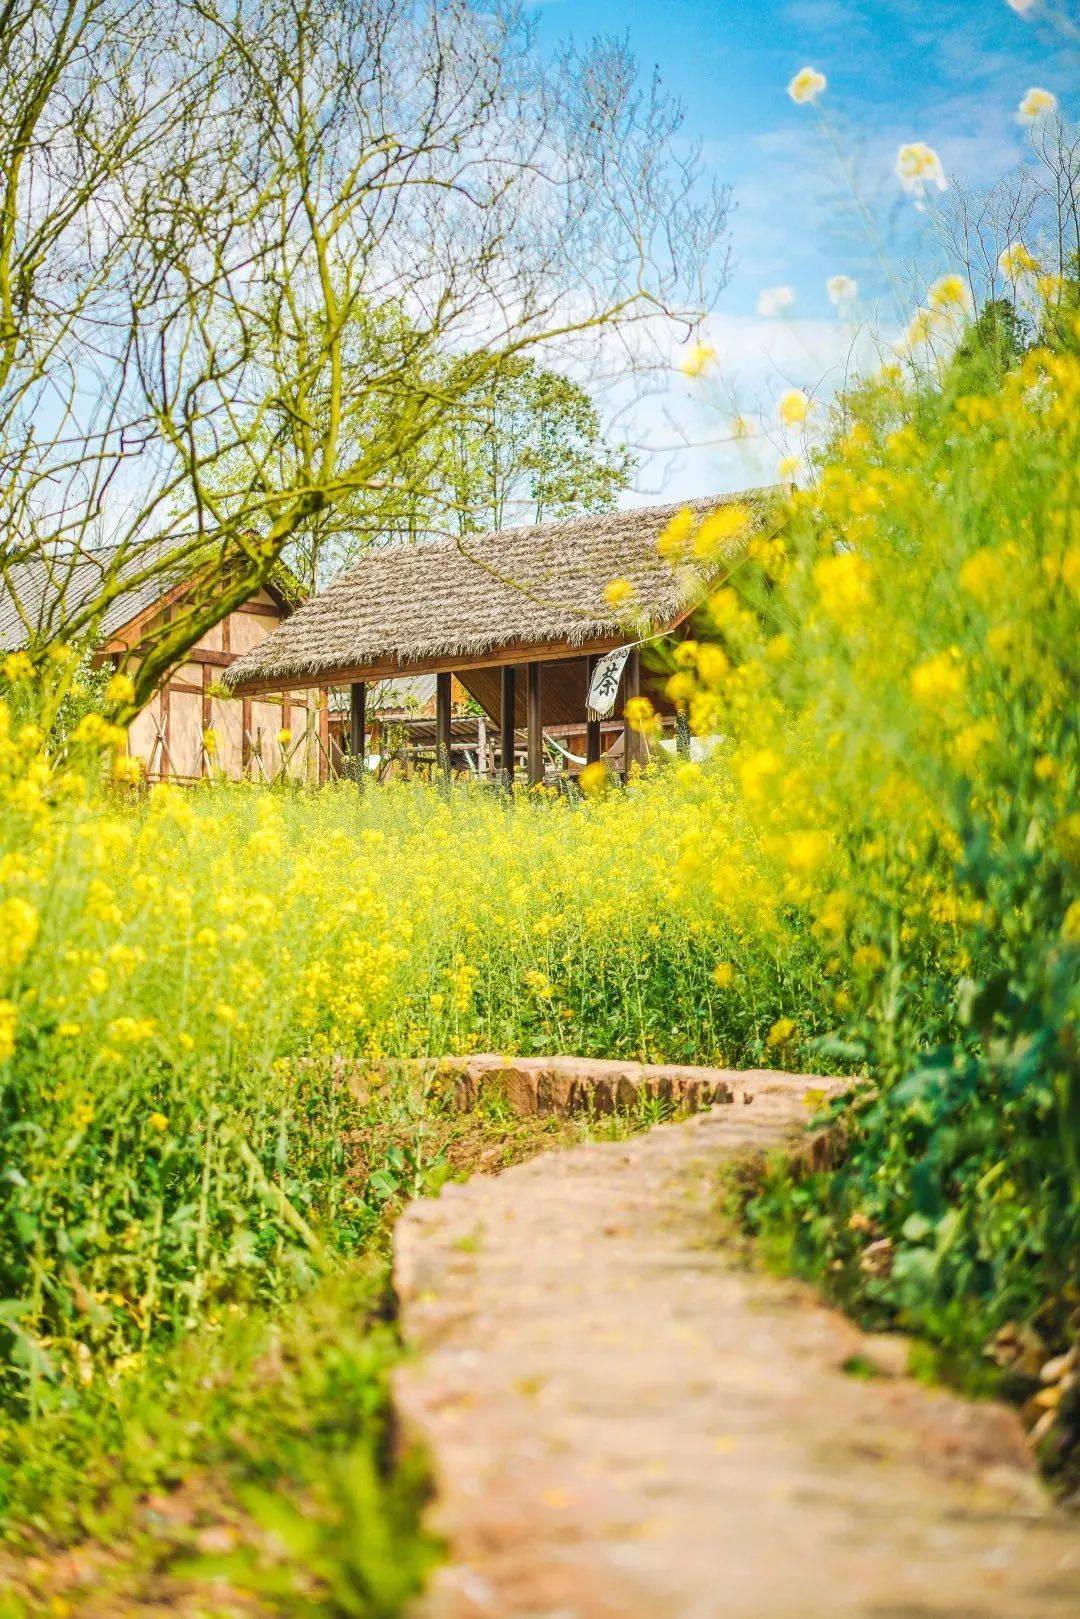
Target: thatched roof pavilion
<point>483,607</point>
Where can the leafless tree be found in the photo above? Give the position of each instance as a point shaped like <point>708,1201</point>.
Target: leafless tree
<point>199,198</point>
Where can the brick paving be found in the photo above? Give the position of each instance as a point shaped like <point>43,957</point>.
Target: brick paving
<point>626,1421</point>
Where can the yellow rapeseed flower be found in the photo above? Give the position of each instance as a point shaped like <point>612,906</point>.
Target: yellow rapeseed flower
<point>917,167</point>
<point>698,358</point>
<point>843,583</point>
<point>120,690</point>
<point>618,592</point>
<point>794,407</point>
<point>939,679</point>
<point>1016,260</point>
<point>807,85</point>
<point>1037,103</point>
<point>9,1022</point>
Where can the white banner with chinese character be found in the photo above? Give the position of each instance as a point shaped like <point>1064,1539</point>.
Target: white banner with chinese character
<point>604,686</point>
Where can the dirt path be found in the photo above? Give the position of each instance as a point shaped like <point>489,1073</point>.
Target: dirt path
<point>627,1423</point>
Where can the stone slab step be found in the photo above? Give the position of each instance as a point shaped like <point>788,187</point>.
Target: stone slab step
<point>625,1421</point>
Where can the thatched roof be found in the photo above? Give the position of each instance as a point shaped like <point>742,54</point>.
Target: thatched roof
<point>540,586</point>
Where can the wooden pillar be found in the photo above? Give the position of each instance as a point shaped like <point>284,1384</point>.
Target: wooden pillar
<point>633,741</point>
<point>442,723</point>
<point>506,726</point>
<point>593,744</point>
<point>535,723</point>
<point>357,728</point>
<point>165,763</point>
<point>207,718</point>
<point>324,738</point>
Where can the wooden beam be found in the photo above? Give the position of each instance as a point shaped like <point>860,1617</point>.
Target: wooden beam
<point>634,743</point>
<point>510,653</point>
<point>592,727</point>
<point>535,723</point>
<point>357,726</point>
<point>442,721</point>
<point>506,726</point>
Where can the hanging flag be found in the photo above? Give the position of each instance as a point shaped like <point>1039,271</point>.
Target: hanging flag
<point>604,686</point>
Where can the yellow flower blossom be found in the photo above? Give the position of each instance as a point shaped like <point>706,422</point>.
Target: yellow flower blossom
<point>699,357</point>
<point>9,1022</point>
<point>807,85</point>
<point>794,407</point>
<point>844,585</point>
<point>1036,103</point>
<point>917,167</point>
<point>1016,260</point>
<point>938,680</point>
<point>120,690</point>
<point>618,592</point>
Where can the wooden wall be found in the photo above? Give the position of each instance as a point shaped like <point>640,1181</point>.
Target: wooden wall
<point>170,735</point>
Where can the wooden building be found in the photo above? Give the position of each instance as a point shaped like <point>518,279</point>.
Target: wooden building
<point>518,617</point>
<point>193,726</point>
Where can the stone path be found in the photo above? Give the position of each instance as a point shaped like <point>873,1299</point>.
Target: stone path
<point>625,1422</point>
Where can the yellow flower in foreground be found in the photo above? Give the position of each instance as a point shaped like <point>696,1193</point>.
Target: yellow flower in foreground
<point>807,85</point>
<point>697,359</point>
<point>210,740</point>
<point>17,666</point>
<point>121,689</point>
<point>780,1033</point>
<point>718,529</point>
<point>1016,260</point>
<point>1070,571</point>
<point>127,770</point>
<point>158,1121</point>
<point>939,679</point>
<point>594,778</point>
<point>950,292</point>
<point>983,576</point>
<point>639,713</point>
<point>618,592</point>
<point>843,584</point>
<point>284,736</point>
<point>723,974</point>
<point>9,1019</point>
<point>1037,103</point>
<point>794,407</point>
<point>674,542</point>
<point>918,166</point>
<point>787,468</point>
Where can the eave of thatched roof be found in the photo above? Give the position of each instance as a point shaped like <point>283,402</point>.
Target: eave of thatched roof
<point>539,588</point>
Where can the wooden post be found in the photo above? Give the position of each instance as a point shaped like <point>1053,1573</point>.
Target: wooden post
<point>593,744</point>
<point>481,748</point>
<point>166,731</point>
<point>633,741</point>
<point>324,738</point>
<point>535,723</point>
<point>207,718</point>
<point>357,728</point>
<point>245,735</point>
<point>506,726</point>
<point>442,724</point>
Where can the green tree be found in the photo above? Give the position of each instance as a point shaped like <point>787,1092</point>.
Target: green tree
<point>529,446</point>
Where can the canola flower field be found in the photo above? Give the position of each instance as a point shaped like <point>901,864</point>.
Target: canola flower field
<point>875,873</point>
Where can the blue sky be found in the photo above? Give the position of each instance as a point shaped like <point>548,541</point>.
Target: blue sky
<point>950,74</point>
